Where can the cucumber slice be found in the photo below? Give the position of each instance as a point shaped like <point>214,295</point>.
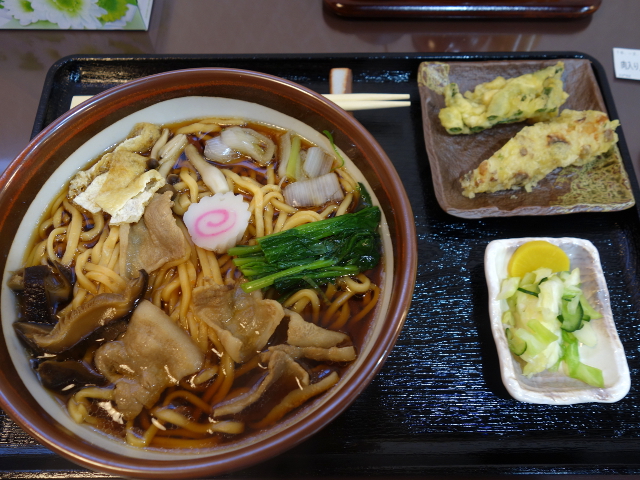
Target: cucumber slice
<point>588,310</point>
<point>516,344</point>
<point>570,321</point>
<point>529,290</point>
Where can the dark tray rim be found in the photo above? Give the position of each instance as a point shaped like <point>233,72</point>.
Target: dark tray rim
<point>544,467</point>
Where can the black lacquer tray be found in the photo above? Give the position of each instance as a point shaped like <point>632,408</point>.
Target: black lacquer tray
<point>438,406</point>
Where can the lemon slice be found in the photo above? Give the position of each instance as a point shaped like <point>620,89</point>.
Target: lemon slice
<point>537,254</point>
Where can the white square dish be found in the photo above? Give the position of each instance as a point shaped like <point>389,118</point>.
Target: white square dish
<point>555,388</point>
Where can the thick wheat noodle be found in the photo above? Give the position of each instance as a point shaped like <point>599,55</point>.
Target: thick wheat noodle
<point>107,285</point>
<point>37,254</point>
<point>268,219</point>
<point>114,278</point>
<point>343,317</point>
<point>271,175</point>
<point>256,190</point>
<point>168,289</point>
<point>227,367</point>
<point>204,262</point>
<point>43,227</point>
<point>247,366</point>
<point>73,234</point>
<point>329,209</point>
<point>113,263</point>
<point>283,207</point>
<point>57,216</point>
<point>78,298</point>
<point>109,245</point>
<point>300,218</point>
<point>185,287</point>
<point>214,263</point>
<point>282,218</point>
<point>81,279</point>
<point>344,206</point>
<point>82,396</point>
<point>330,291</point>
<point>161,142</point>
<point>198,127</point>
<point>181,203</point>
<point>347,180</point>
<point>361,286</point>
<point>186,177</point>
<point>96,253</point>
<point>188,396</point>
<point>310,296</point>
<point>193,329</point>
<point>98,226</point>
<point>52,238</point>
<point>367,308</point>
<point>137,441</point>
<point>57,202</point>
<point>335,305</point>
<point>296,398</point>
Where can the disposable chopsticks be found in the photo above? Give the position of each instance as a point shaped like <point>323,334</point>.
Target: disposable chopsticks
<point>368,101</point>
<point>348,101</point>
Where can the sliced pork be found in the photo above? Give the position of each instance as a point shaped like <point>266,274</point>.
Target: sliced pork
<point>243,321</point>
<point>154,240</point>
<point>152,355</point>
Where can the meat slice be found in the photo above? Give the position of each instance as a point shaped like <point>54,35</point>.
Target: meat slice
<point>243,321</point>
<point>333,354</point>
<point>280,365</point>
<point>154,240</point>
<point>152,355</point>
<point>307,334</point>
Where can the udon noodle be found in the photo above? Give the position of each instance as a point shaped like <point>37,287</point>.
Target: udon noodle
<point>140,328</point>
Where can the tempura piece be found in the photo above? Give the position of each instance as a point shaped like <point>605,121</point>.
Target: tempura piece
<point>573,138</point>
<point>534,96</point>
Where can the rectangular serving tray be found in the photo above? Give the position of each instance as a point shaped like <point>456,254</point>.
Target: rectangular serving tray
<point>438,406</point>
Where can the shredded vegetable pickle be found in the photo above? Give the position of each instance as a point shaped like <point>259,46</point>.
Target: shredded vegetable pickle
<point>548,317</point>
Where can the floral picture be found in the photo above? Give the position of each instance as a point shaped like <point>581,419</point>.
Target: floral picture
<point>75,14</point>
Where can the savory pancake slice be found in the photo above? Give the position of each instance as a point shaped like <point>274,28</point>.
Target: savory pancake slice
<point>534,96</point>
<point>572,138</point>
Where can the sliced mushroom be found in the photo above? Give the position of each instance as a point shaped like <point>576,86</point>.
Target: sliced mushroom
<point>82,322</point>
<point>43,289</point>
<point>68,375</point>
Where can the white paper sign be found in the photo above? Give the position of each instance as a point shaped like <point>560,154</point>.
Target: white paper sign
<point>626,62</point>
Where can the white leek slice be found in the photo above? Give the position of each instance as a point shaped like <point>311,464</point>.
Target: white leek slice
<point>314,192</point>
<point>249,142</point>
<point>216,150</point>
<point>211,176</point>
<point>317,162</point>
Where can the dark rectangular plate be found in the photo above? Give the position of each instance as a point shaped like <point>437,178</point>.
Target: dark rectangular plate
<point>438,406</point>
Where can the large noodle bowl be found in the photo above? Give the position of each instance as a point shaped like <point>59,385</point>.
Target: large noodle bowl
<point>227,384</point>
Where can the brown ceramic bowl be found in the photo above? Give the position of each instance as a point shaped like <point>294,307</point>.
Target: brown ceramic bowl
<point>25,177</point>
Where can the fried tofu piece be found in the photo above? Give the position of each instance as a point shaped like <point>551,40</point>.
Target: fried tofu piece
<point>573,138</point>
<point>534,96</point>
